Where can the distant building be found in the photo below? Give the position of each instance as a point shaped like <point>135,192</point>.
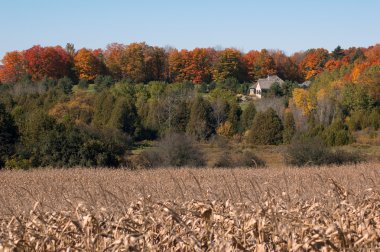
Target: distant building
<point>306,84</point>
<point>263,85</point>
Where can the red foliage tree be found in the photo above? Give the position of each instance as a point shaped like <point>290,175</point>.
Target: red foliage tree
<point>52,62</point>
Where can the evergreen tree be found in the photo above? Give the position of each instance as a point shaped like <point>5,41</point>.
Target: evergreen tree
<point>181,116</point>
<point>289,127</point>
<point>200,119</point>
<point>65,84</point>
<point>266,128</point>
<point>337,134</point>
<point>234,114</point>
<point>124,116</point>
<point>247,116</point>
<point>338,53</point>
<point>103,105</point>
<point>8,135</point>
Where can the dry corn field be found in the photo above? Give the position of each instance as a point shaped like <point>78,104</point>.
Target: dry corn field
<point>272,209</point>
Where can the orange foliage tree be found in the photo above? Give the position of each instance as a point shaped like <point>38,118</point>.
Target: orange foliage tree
<point>178,60</point>
<point>259,64</point>
<point>314,62</point>
<point>89,64</point>
<point>143,63</point>
<point>194,66</point>
<point>13,67</point>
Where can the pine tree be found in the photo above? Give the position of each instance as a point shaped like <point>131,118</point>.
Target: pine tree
<point>8,135</point>
<point>266,128</point>
<point>247,116</point>
<point>289,127</point>
<point>200,119</point>
<point>123,116</point>
<point>338,53</point>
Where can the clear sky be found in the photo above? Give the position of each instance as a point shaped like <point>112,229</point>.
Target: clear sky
<point>290,25</point>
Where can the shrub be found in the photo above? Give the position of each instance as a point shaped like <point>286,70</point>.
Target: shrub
<point>173,150</point>
<point>242,159</point>
<point>224,161</point>
<point>249,159</point>
<point>147,159</point>
<point>83,84</point>
<point>313,151</point>
<point>180,150</point>
<point>337,134</point>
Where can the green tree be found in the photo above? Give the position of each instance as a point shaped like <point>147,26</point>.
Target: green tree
<point>8,135</point>
<point>266,128</point>
<point>247,116</point>
<point>338,53</point>
<point>234,114</point>
<point>289,127</point>
<point>275,91</point>
<point>200,121</point>
<point>103,105</point>
<point>124,116</point>
<point>65,84</point>
<point>337,134</point>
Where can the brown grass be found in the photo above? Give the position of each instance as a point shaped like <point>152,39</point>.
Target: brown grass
<point>280,209</point>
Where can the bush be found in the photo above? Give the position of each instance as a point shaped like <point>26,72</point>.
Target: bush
<point>313,151</point>
<point>83,84</point>
<point>224,161</point>
<point>174,149</point>
<point>249,159</point>
<point>242,159</point>
<point>147,159</point>
<point>337,134</point>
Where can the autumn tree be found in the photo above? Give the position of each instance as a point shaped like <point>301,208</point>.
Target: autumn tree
<point>13,67</point>
<point>52,62</point>
<point>302,100</point>
<point>88,64</point>
<point>228,65</point>
<point>114,56</point>
<point>199,65</point>
<point>285,66</point>
<point>314,62</point>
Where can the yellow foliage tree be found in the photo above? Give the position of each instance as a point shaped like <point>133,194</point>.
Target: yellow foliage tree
<point>302,100</point>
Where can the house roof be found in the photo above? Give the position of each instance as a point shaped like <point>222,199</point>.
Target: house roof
<point>266,83</point>
<point>305,84</point>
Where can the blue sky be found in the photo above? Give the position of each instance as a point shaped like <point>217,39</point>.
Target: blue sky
<point>288,25</point>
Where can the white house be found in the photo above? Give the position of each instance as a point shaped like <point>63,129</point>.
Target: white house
<point>263,85</point>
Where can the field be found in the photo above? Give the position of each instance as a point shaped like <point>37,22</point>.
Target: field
<point>271,209</point>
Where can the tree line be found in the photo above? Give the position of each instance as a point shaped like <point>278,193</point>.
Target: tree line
<point>62,107</point>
